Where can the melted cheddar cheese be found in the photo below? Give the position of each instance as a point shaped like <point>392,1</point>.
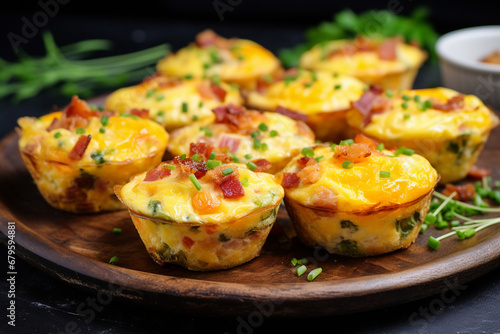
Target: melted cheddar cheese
<point>309,92</point>
<point>362,187</point>
<point>173,103</point>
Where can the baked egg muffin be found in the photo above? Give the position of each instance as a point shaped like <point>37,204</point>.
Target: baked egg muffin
<point>389,63</point>
<point>76,156</point>
<point>248,136</point>
<point>356,198</point>
<point>318,98</point>
<point>445,126</point>
<point>234,60</point>
<point>174,102</point>
<point>202,211</point>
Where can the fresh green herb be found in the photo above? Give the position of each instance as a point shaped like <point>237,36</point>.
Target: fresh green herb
<point>196,157</point>
<point>159,97</point>
<point>104,120</point>
<point>384,174</point>
<point>98,157</point>
<point>318,159</point>
<point>347,164</point>
<point>227,171</point>
<point>248,157</point>
<point>183,156</point>
<point>150,92</point>
<point>346,142</point>
<point>294,262</point>
<point>301,270</point>
<point>234,157</point>
<point>113,260</point>
<point>313,274</point>
<point>195,181</point>
<point>405,151</point>
<point>273,133</point>
<point>251,166</point>
<point>80,131</point>
<point>57,135</point>
<point>347,24</point>
<point>256,143</point>
<point>211,164</point>
<point>264,146</point>
<point>381,147</point>
<point>307,152</point>
<point>245,182</point>
<point>406,116</point>
<point>389,93</point>
<point>117,230</point>
<point>263,127</point>
<point>184,107</point>
<point>404,105</point>
<point>337,87</point>
<point>207,131</point>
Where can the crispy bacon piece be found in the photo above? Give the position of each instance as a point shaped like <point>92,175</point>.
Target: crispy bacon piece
<point>262,165</point>
<point>230,142</point>
<point>200,148</point>
<point>454,103</point>
<point>290,113</point>
<point>206,38</point>
<point>372,102</point>
<point>79,108</point>
<point>464,192</point>
<point>231,187</point>
<point>302,161</point>
<point>187,242</point>
<point>355,152</point>
<point>290,180</point>
<point>361,138</point>
<point>80,147</point>
<point>476,172</point>
<point>311,173</point>
<point>325,198</point>
<point>218,92</point>
<point>142,113</point>
<point>229,114</point>
<point>157,173</point>
<point>218,178</point>
<point>187,165</point>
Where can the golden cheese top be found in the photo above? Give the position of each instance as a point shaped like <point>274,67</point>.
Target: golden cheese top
<point>379,180</point>
<point>264,135</point>
<point>174,103</point>
<point>414,114</point>
<point>367,63</point>
<point>233,60</point>
<point>175,197</point>
<point>114,139</point>
<point>308,92</point>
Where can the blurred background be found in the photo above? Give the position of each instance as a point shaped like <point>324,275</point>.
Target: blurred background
<point>139,25</point>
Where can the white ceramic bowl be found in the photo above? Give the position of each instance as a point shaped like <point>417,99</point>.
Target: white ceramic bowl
<point>460,53</point>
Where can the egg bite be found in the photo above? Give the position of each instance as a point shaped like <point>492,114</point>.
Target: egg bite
<point>389,63</point>
<point>233,60</point>
<point>355,199</point>
<point>174,102</point>
<point>248,136</point>
<point>76,156</point>
<point>445,126</point>
<point>320,99</point>
<point>202,211</point>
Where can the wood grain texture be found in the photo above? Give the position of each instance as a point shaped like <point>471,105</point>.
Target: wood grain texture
<point>77,248</point>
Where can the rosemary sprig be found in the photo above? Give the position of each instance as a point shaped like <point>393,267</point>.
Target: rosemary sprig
<point>67,69</point>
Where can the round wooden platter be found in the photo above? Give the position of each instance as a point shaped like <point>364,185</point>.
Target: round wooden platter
<point>77,248</point>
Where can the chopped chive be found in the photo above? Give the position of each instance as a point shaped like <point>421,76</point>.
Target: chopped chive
<point>263,127</point>
<point>80,131</point>
<point>332,147</point>
<point>455,223</point>
<point>273,133</point>
<point>404,105</point>
<point>117,230</point>
<point>195,181</point>
<point>389,93</point>
<point>195,117</point>
<point>303,261</point>
<point>245,182</point>
<point>188,76</point>
<point>196,157</point>
<point>102,130</point>
<point>313,274</point>
<point>416,98</point>
<point>104,120</point>
<point>57,135</point>
<point>171,167</point>
<point>314,75</point>
<point>211,164</point>
<point>215,79</point>
<point>346,141</point>
<point>183,156</point>
<point>255,134</point>
<point>248,157</point>
<point>384,174</point>
<point>251,166</point>
<point>381,147</point>
<point>211,156</point>
<point>264,147</point>
<point>308,84</point>
<point>433,242</point>
<point>406,97</point>
<point>113,260</point>
<point>200,105</point>
<point>428,104</point>
<point>234,157</point>
<point>301,270</point>
<point>185,107</point>
<point>294,262</point>
<point>159,98</point>
<point>318,159</point>
<point>405,151</point>
<point>441,224</point>
<point>337,87</point>
<point>307,152</point>
<point>423,228</point>
<point>406,116</point>
<point>430,219</point>
<point>150,92</point>
<point>256,143</point>
<point>207,131</point>
<point>347,164</point>
<point>227,171</point>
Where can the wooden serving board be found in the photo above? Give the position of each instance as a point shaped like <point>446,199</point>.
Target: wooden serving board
<point>76,249</point>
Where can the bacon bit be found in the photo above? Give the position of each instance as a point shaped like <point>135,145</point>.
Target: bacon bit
<point>325,198</point>
<point>228,114</point>
<point>200,148</point>
<point>476,172</point>
<point>290,180</point>
<point>355,152</point>
<point>361,138</point>
<point>205,202</point>
<point>101,185</point>
<point>231,187</point>
<point>304,130</point>
<point>454,103</point>
<point>218,92</point>
<point>302,161</point>
<point>290,113</point>
<point>187,242</point>
<point>157,173</point>
<point>311,173</point>
<point>372,102</point>
<point>84,182</point>
<point>210,229</point>
<point>206,38</point>
<point>464,192</point>
<point>80,147</point>
<point>387,49</point>
<point>217,176</point>
<point>142,113</point>
<point>79,108</point>
<point>262,165</point>
<point>189,166</point>
<point>231,143</point>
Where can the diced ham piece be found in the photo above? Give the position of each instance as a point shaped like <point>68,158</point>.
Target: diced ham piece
<point>290,180</point>
<point>80,147</point>
<point>372,102</point>
<point>387,49</point>
<point>218,92</point>
<point>290,113</point>
<point>262,165</point>
<point>230,142</point>
<point>200,148</point>
<point>232,188</point>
